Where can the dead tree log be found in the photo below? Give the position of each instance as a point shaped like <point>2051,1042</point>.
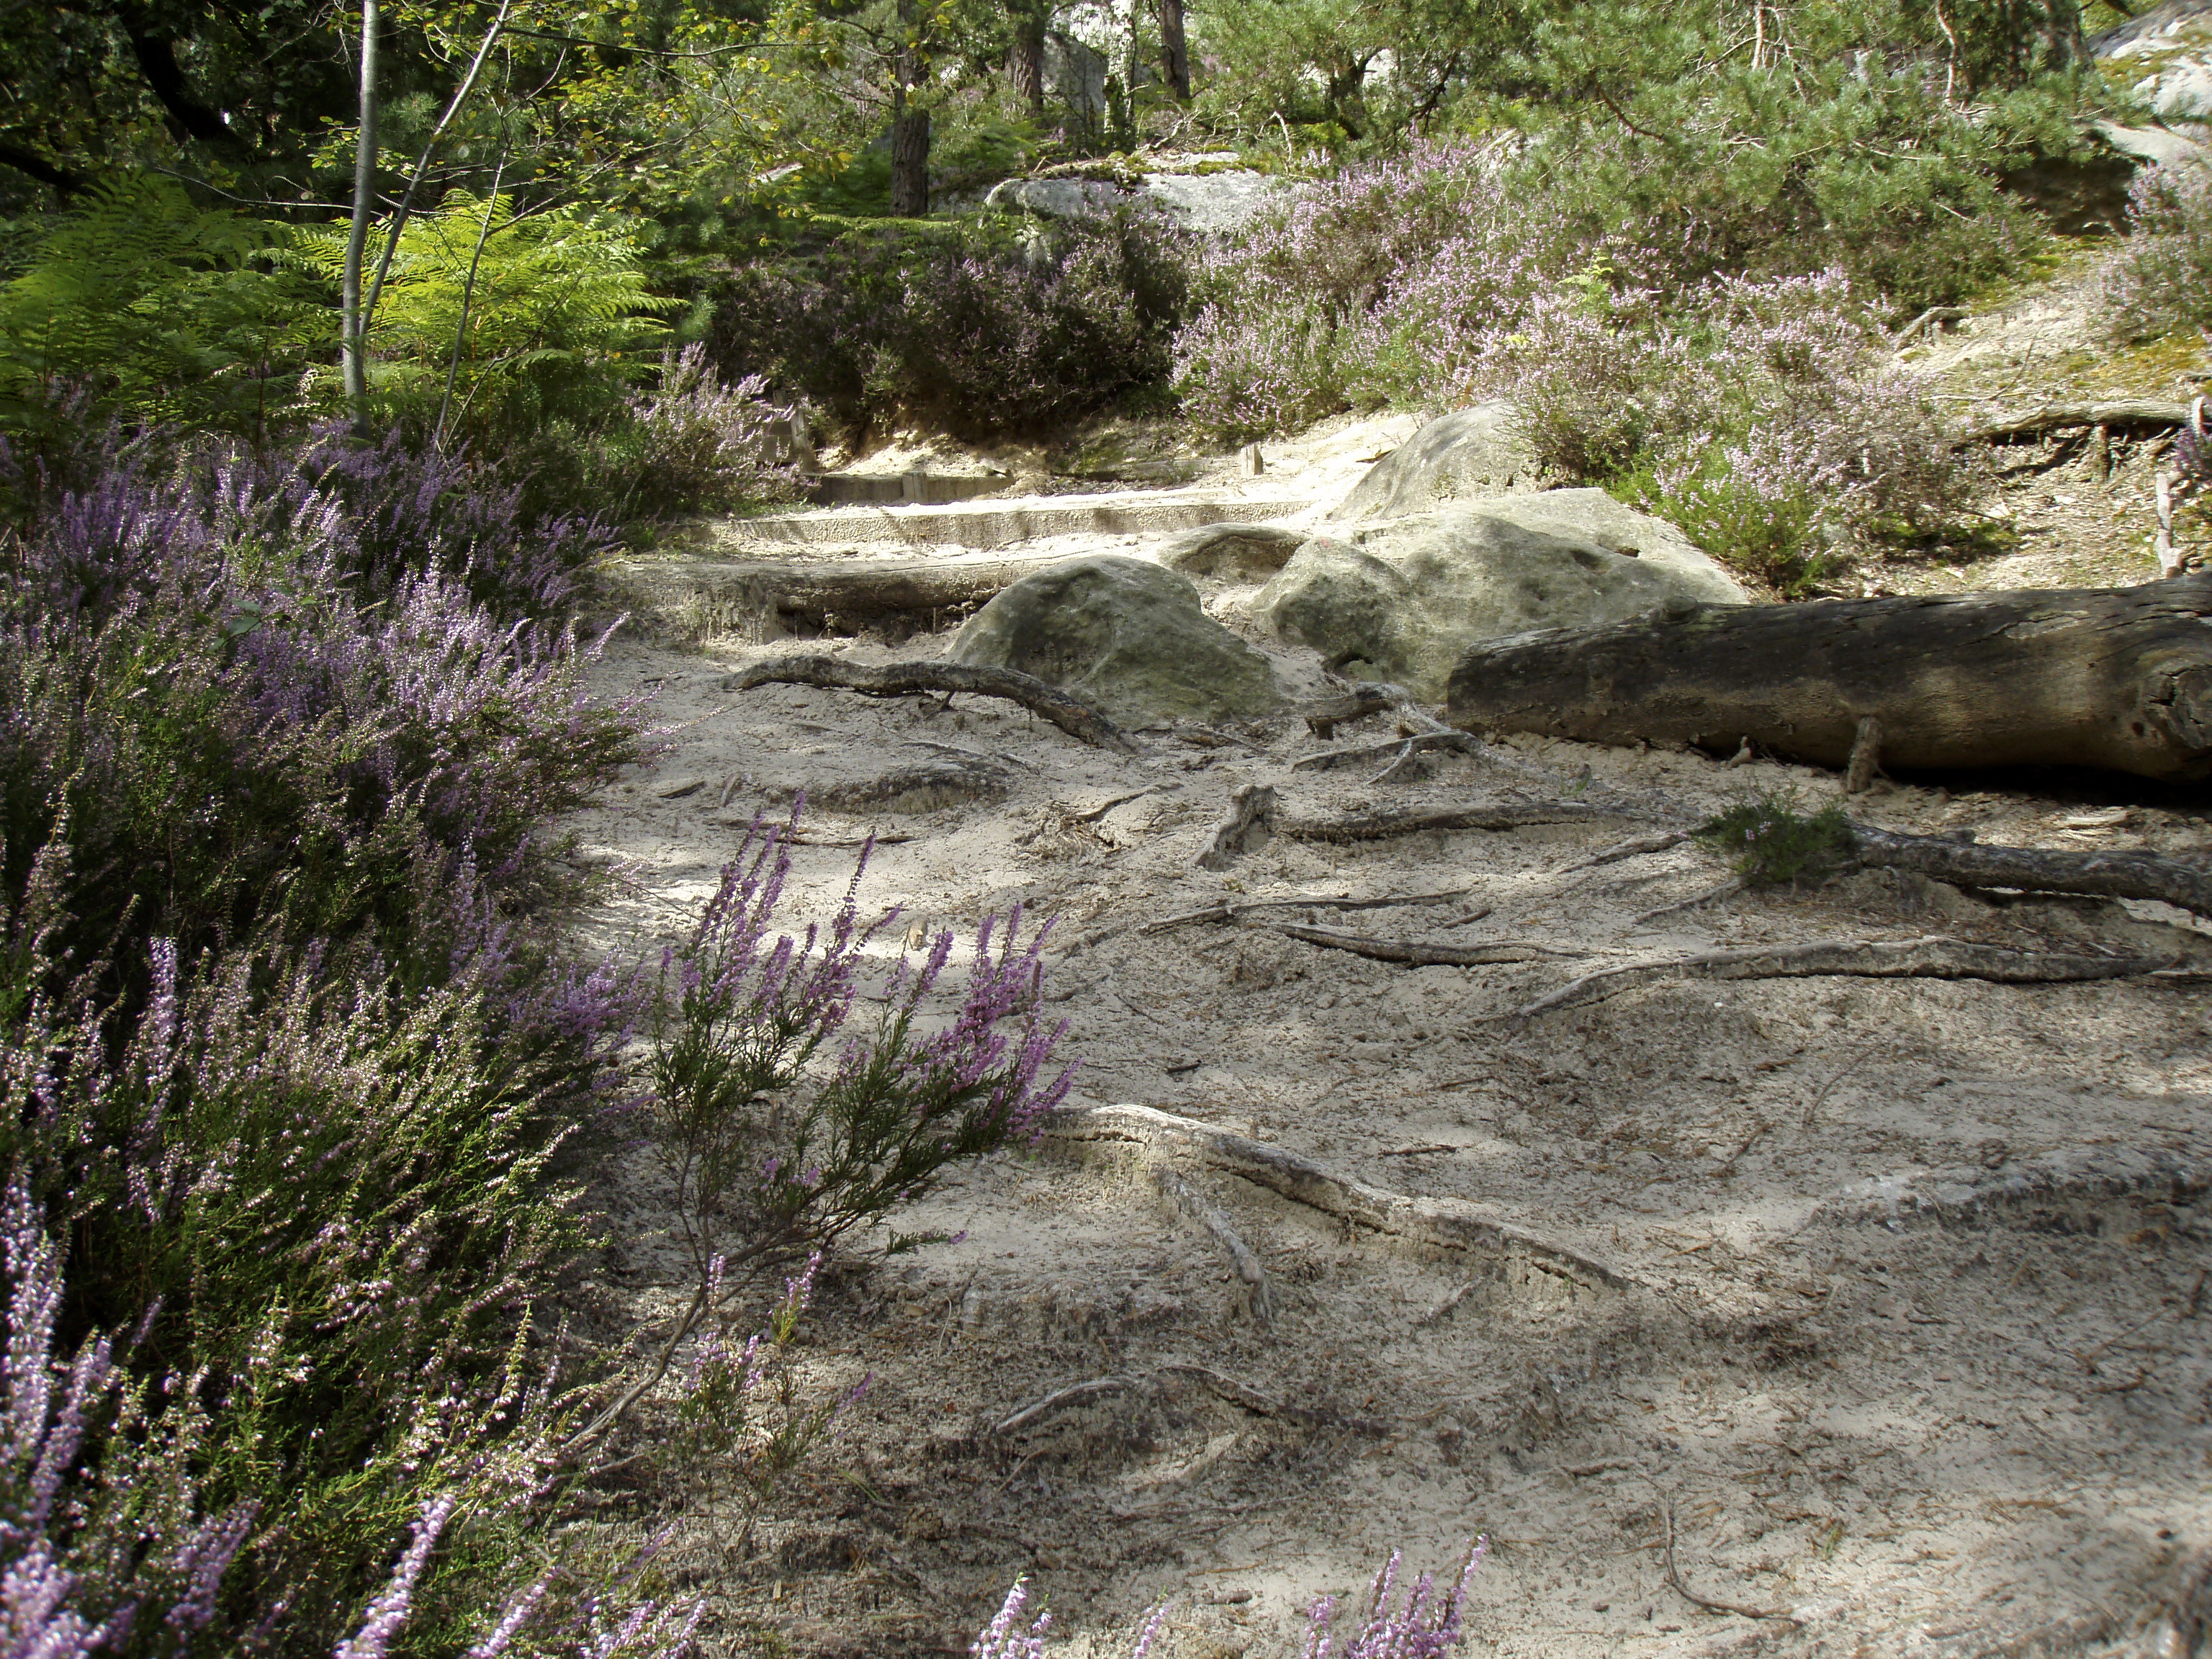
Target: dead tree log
<point>2036,870</point>
<point>905,679</point>
<point>2118,678</point>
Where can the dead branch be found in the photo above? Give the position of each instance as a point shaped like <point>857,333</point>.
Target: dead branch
<point>1932,957</point>
<point>1243,1394</point>
<point>1411,821</point>
<point>2058,417</point>
<point>1420,742</point>
<point>1904,336</point>
<point>1417,1224</point>
<point>1728,889</point>
<point>1259,1295</point>
<point>2185,884</point>
<point>1229,910</point>
<point>1424,956</point>
<point>1251,821</point>
<point>1071,714</point>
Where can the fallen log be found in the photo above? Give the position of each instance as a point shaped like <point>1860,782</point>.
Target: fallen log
<point>2118,678</point>
<point>1071,714</point>
<point>1933,957</point>
<point>2059,417</point>
<point>2036,870</point>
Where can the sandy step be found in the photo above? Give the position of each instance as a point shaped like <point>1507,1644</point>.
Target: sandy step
<point>1000,524</point>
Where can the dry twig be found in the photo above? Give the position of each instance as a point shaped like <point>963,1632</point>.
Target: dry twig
<point>1230,909</point>
<point>1413,821</point>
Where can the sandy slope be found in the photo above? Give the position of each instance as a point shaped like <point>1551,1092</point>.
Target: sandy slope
<point>1907,1320</point>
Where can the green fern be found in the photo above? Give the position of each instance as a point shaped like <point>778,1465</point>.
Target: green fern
<point>142,306</point>
<point>550,309</point>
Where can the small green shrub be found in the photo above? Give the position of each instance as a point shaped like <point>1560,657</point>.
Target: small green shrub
<point>1769,843</point>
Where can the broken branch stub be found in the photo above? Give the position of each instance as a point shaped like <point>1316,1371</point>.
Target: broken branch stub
<point>1071,714</point>
<point>1250,824</point>
<point>2117,678</point>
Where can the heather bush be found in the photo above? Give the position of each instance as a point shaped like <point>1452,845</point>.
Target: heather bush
<point>691,441</point>
<point>2163,276</point>
<point>983,327</point>
<point>1420,1626</point>
<point>769,1162</point>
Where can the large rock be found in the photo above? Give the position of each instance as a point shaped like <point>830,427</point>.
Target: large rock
<point>1212,203</point>
<point>1127,635</point>
<point>1404,600</point>
<point>1469,452</point>
<point>2164,56</point>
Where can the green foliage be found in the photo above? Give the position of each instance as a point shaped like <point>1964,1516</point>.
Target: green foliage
<point>548,315</point>
<point>1769,843</point>
<point>142,307</point>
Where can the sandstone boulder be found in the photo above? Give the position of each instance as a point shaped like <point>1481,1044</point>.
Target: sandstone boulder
<point>1476,451</point>
<point>1127,635</point>
<point>1405,600</point>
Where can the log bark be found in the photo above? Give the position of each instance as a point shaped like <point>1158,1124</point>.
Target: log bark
<point>905,679</point>
<point>2059,417</point>
<point>2117,678</point>
<point>2035,869</point>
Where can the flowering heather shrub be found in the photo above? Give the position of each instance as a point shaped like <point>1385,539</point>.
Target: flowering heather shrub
<point>693,441</point>
<point>244,656</point>
<point>2161,280</point>
<point>982,328</point>
<point>785,1163</point>
<point>1422,1627</point>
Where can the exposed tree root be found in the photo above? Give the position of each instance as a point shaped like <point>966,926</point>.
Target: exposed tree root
<point>1426,955</point>
<point>1505,1253</point>
<point>1071,714</point>
<point>1230,909</point>
<point>1411,821</point>
<point>1259,1295</point>
<point>1932,957</point>
<point>1420,742</point>
<point>2104,875</point>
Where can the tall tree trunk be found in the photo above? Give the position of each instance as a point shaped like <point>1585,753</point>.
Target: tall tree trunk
<point>352,346</point>
<point>910,160</point>
<point>909,125</point>
<point>1025,63</point>
<point>1175,49</point>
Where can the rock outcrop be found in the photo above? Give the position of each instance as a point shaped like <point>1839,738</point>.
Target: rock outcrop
<point>1476,451</point>
<point>1406,599</point>
<point>1128,636</point>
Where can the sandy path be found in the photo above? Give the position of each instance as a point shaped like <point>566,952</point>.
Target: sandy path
<point>1914,1337</point>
